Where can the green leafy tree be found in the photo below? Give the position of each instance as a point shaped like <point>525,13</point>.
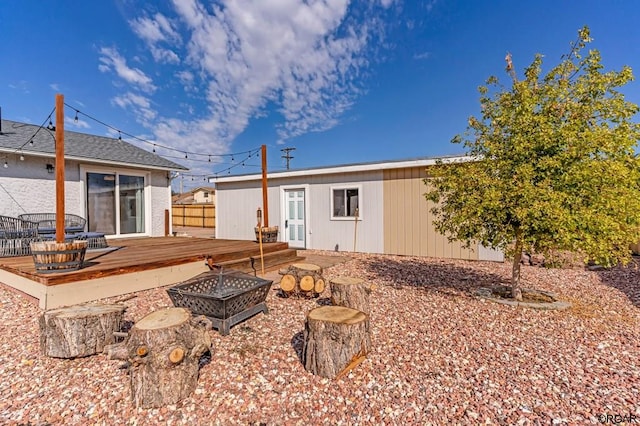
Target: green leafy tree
<point>553,165</point>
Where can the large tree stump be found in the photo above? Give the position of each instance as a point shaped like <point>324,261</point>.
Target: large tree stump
<point>350,292</point>
<point>79,330</point>
<point>302,279</point>
<point>163,350</point>
<point>336,340</point>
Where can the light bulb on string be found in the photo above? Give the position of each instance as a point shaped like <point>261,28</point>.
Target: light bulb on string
<point>21,157</point>
<point>209,158</point>
<point>232,160</point>
<point>119,135</point>
<point>75,120</point>
<point>51,126</point>
<point>31,142</point>
<point>186,156</point>
<point>6,165</point>
<point>154,147</point>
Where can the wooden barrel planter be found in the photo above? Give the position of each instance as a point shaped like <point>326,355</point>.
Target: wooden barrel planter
<point>269,234</point>
<point>51,256</point>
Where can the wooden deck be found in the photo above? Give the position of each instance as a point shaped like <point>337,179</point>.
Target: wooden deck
<point>135,264</point>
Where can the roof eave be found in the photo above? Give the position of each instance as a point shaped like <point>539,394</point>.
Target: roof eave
<point>353,168</point>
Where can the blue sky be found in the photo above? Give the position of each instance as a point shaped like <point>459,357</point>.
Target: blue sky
<point>342,82</point>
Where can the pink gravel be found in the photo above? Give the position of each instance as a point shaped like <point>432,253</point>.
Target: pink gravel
<point>439,356</point>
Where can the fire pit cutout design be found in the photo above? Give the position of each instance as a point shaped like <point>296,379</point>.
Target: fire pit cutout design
<point>226,297</point>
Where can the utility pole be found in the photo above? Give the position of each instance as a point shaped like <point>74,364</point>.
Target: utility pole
<point>287,156</point>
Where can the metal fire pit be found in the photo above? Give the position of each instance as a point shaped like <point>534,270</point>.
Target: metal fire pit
<point>225,297</point>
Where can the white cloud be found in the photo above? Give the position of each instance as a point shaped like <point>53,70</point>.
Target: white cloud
<point>111,60</point>
<point>306,57</point>
<point>141,105</point>
<point>55,87</point>
<point>421,56</point>
<point>155,30</point>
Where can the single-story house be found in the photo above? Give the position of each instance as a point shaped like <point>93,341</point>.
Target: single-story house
<point>200,195</point>
<point>121,190</point>
<point>376,207</point>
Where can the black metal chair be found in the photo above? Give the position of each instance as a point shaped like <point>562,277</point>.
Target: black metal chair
<point>16,235</point>
<point>47,222</point>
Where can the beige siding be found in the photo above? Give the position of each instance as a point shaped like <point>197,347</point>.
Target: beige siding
<point>408,227</point>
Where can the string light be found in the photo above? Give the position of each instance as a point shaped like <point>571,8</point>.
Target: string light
<point>6,165</point>
<point>51,126</point>
<point>119,135</point>
<point>75,120</point>
<point>21,157</point>
<point>154,144</point>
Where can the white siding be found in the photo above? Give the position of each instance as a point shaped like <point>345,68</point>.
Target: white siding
<point>236,204</point>
<point>27,187</point>
<point>160,201</point>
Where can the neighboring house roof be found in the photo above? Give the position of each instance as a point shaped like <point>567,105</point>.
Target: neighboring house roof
<point>186,198</point>
<point>79,146</point>
<point>345,168</point>
<point>202,188</point>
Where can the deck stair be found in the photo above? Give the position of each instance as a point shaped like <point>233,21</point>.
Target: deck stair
<point>272,261</point>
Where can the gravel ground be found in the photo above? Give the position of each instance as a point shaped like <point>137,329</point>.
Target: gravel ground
<point>440,356</point>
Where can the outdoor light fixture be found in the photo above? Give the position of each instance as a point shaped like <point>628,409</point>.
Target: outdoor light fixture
<point>49,168</point>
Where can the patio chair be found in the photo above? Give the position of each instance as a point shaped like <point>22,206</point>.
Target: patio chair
<point>47,222</point>
<point>16,235</point>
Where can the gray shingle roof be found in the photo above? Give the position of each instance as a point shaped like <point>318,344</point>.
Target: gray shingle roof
<point>80,146</point>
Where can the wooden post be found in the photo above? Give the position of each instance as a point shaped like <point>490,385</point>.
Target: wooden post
<point>166,222</point>
<point>59,168</point>
<point>265,202</point>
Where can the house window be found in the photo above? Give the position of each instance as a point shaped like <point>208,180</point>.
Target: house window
<point>115,203</point>
<point>345,202</point>
<point>206,195</point>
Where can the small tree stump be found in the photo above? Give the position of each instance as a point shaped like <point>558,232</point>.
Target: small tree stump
<point>79,330</point>
<point>163,350</point>
<point>336,340</point>
<point>350,292</point>
<point>302,279</point>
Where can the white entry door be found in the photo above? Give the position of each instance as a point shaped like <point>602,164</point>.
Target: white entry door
<point>294,226</point>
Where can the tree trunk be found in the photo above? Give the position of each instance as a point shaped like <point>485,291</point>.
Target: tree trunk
<point>79,330</point>
<point>163,350</point>
<point>351,293</point>
<point>336,339</point>
<point>516,291</point>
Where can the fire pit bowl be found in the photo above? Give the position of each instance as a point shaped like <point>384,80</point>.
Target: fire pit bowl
<point>225,297</point>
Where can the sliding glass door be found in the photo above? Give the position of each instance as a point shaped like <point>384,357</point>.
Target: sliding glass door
<point>108,193</point>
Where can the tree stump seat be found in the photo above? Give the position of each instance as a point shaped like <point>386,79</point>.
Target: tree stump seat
<point>302,279</point>
<point>80,330</point>
<point>163,351</point>
<point>336,340</point>
<point>351,293</point>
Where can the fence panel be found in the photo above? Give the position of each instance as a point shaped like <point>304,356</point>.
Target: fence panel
<point>198,215</point>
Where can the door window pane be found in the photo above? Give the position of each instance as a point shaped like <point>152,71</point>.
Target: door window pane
<point>101,203</point>
<point>300,232</point>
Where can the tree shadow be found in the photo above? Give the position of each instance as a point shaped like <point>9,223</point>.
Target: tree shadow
<point>625,279</point>
<point>443,277</point>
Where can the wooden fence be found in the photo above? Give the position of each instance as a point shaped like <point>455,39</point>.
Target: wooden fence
<point>198,215</point>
